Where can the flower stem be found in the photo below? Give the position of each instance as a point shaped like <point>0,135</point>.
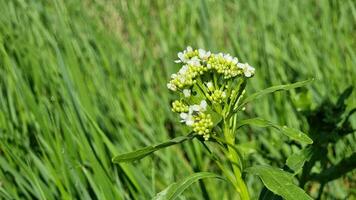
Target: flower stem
<point>233,156</point>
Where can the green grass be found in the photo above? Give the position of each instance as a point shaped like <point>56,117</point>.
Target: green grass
<point>82,81</point>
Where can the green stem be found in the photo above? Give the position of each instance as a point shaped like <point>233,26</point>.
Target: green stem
<point>233,156</point>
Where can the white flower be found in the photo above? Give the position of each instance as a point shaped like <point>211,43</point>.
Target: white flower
<point>183,70</point>
<point>172,87</point>
<point>210,86</point>
<point>235,61</point>
<point>182,55</point>
<point>204,55</point>
<point>203,105</point>
<point>198,108</point>
<point>227,57</point>
<point>173,76</point>
<point>194,108</point>
<point>247,69</point>
<point>187,92</point>
<point>187,119</point>
<point>194,61</point>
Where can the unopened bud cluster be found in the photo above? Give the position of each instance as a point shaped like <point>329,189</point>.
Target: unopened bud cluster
<point>217,96</point>
<point>179,107</point>
<point>203,125</point>
<point>211,76</point>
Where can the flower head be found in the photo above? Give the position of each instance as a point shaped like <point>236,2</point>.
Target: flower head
<point>210,79</point>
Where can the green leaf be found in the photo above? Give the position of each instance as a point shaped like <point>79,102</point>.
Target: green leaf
<point>259,122</point>
<point>344,96</point>
<point>279,182</point>
<point>297,160</point>
<point>141,153</point>
<point>271,90</point>
<point>295,134</point>
<point>266,194</point>
<point>290,132</point>
<point>175,189</point>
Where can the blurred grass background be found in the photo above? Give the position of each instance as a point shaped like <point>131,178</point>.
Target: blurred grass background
<point>82,81</point>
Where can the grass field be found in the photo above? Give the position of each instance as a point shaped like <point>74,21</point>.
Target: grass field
<point>82,81</point>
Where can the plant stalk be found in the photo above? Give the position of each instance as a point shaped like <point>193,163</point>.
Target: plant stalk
<point>233,156</point>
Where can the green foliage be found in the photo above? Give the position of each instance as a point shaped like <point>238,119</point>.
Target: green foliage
<point>329,126</point>
<point>290,132</point>
<point>270,90</point>
<point>141,153</point>
<point>175,189</point>
<point>82,81</point>
<point>279,182</point>
<point>297,160</point>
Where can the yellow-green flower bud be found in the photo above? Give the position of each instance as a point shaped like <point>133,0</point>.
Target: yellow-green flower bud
<point>217,96</point>
<point>179,107</point>
<point>203,125</point>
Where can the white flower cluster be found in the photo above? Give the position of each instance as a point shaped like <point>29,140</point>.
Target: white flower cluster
<point>194,116</point>
<point>194,110</point>
<point>197,62</point>
<point>200,63</point>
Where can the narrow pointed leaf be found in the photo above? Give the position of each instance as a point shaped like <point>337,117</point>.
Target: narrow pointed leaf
<point>175,189</point>
<point>279,182</point>
<point>141,153</point>
<point>290,132</point>
<point>271,90</point>
<point>295,134</point>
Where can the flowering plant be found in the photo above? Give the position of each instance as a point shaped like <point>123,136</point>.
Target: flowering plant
<point>217,82</point>
<point>210,91</point>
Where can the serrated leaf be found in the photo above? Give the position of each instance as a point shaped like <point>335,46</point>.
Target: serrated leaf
<point>297,160</point>
<point>175,189</point>
<point>279,182</point>
<point>271,90</point>
<point>290,132</point>
<point>141,153</point>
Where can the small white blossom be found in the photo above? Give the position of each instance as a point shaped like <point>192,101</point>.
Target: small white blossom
<point>182,55</point>
<point>174,76</point>
<point>210,85</point>
<point>194,61</point>
<point>171,86</point>
<point>204,55</point>
<point>247,69</point>
<point>187,92</point>
<point>235,61</point>
<point>227,57</point>
<point>187,118</point>
<point>198,108</point>
<point>194,108</point>
<point>203,105</point>
<point>183,70</point>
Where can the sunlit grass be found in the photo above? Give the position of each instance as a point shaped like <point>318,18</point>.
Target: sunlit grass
<point>82,81</point>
